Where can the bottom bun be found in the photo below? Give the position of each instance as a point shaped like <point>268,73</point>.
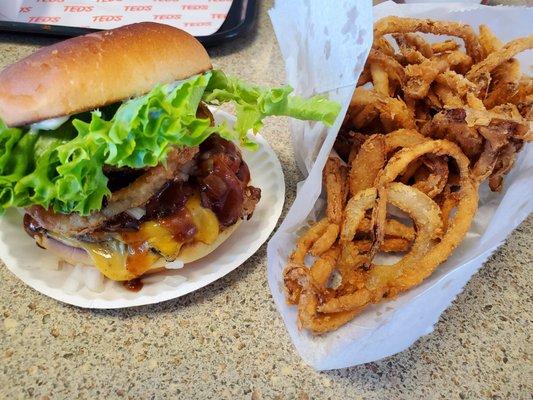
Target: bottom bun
<point>188,253</point>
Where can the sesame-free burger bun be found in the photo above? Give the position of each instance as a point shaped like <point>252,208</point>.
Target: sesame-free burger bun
<point>188,253</point>
<point>98,69</point>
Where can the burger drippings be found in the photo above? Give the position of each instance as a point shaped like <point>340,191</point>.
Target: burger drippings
<point>170,199</point>
<point>181,225</point>
<point>168,208</point>
<point>122,222</point>
<point>140,258</point>
<point>134,285</point>
<point>223,177</point>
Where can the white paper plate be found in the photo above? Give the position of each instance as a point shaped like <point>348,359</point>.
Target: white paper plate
<point>38,269</point>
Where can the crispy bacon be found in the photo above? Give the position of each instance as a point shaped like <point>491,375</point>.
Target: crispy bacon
<point>223,180</point>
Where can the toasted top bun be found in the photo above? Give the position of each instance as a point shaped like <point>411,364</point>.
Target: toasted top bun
<point>94,70</point>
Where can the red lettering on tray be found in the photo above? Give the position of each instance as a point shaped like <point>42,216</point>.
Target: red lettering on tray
<point>137,8</point>
<point>77,9</point>
<point>203,23</point>
<point>194,6</point>
<point>107,18</point>
<point>167,16</point>
<point>25,9</point>
<point>44,20</point>
<point>218,16</point>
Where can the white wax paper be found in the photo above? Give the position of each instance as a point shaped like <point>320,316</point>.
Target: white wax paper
<point>390,327</point>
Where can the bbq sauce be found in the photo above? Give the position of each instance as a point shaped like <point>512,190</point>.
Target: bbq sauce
<point>168,200</point>
<point>223,176</point>
<point>180,225</point>
<point>134,285</point>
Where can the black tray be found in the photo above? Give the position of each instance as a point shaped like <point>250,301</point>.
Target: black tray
<point>240,19</point>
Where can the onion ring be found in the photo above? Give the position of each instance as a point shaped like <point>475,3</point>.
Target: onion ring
<point>324,242</point>
<point>310,318</point>
<point>447,45</point>
<point>355,212</point>
<point>393,108</point>
<point>367,163</point>
<point>460,222</point>
<point>335,177</point>
<point>304,243</point>
<point>405,25</point>
<point>321,269</point>
<point>392,67</point>
<point>488,41</point>
<point>426,216</point>
<point>508,51</point>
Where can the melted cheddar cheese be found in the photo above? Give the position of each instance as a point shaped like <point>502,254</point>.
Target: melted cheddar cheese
<point>205,220</point>
<point>125,261</point>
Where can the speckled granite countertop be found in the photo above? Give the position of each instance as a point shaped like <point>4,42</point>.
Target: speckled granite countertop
<point>228,338</point>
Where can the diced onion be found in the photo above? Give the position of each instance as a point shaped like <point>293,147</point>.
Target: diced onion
<point>176,264</point>
<point>136,212</point>
<point>94,280</point>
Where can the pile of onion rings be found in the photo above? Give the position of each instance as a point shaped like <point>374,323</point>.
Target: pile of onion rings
<point>428,123</point>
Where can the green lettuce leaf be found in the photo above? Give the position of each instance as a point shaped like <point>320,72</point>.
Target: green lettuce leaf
<point>254,103</point>
<point>62,169</point>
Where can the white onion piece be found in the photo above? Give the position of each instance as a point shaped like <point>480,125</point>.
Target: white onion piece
<point>136,212</point>
<point>94,280</point>
<point>49,124</point>
<point>176,264</point>
<point>74,281</point>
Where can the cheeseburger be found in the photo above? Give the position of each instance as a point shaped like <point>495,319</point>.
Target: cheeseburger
<point>108,144</point>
